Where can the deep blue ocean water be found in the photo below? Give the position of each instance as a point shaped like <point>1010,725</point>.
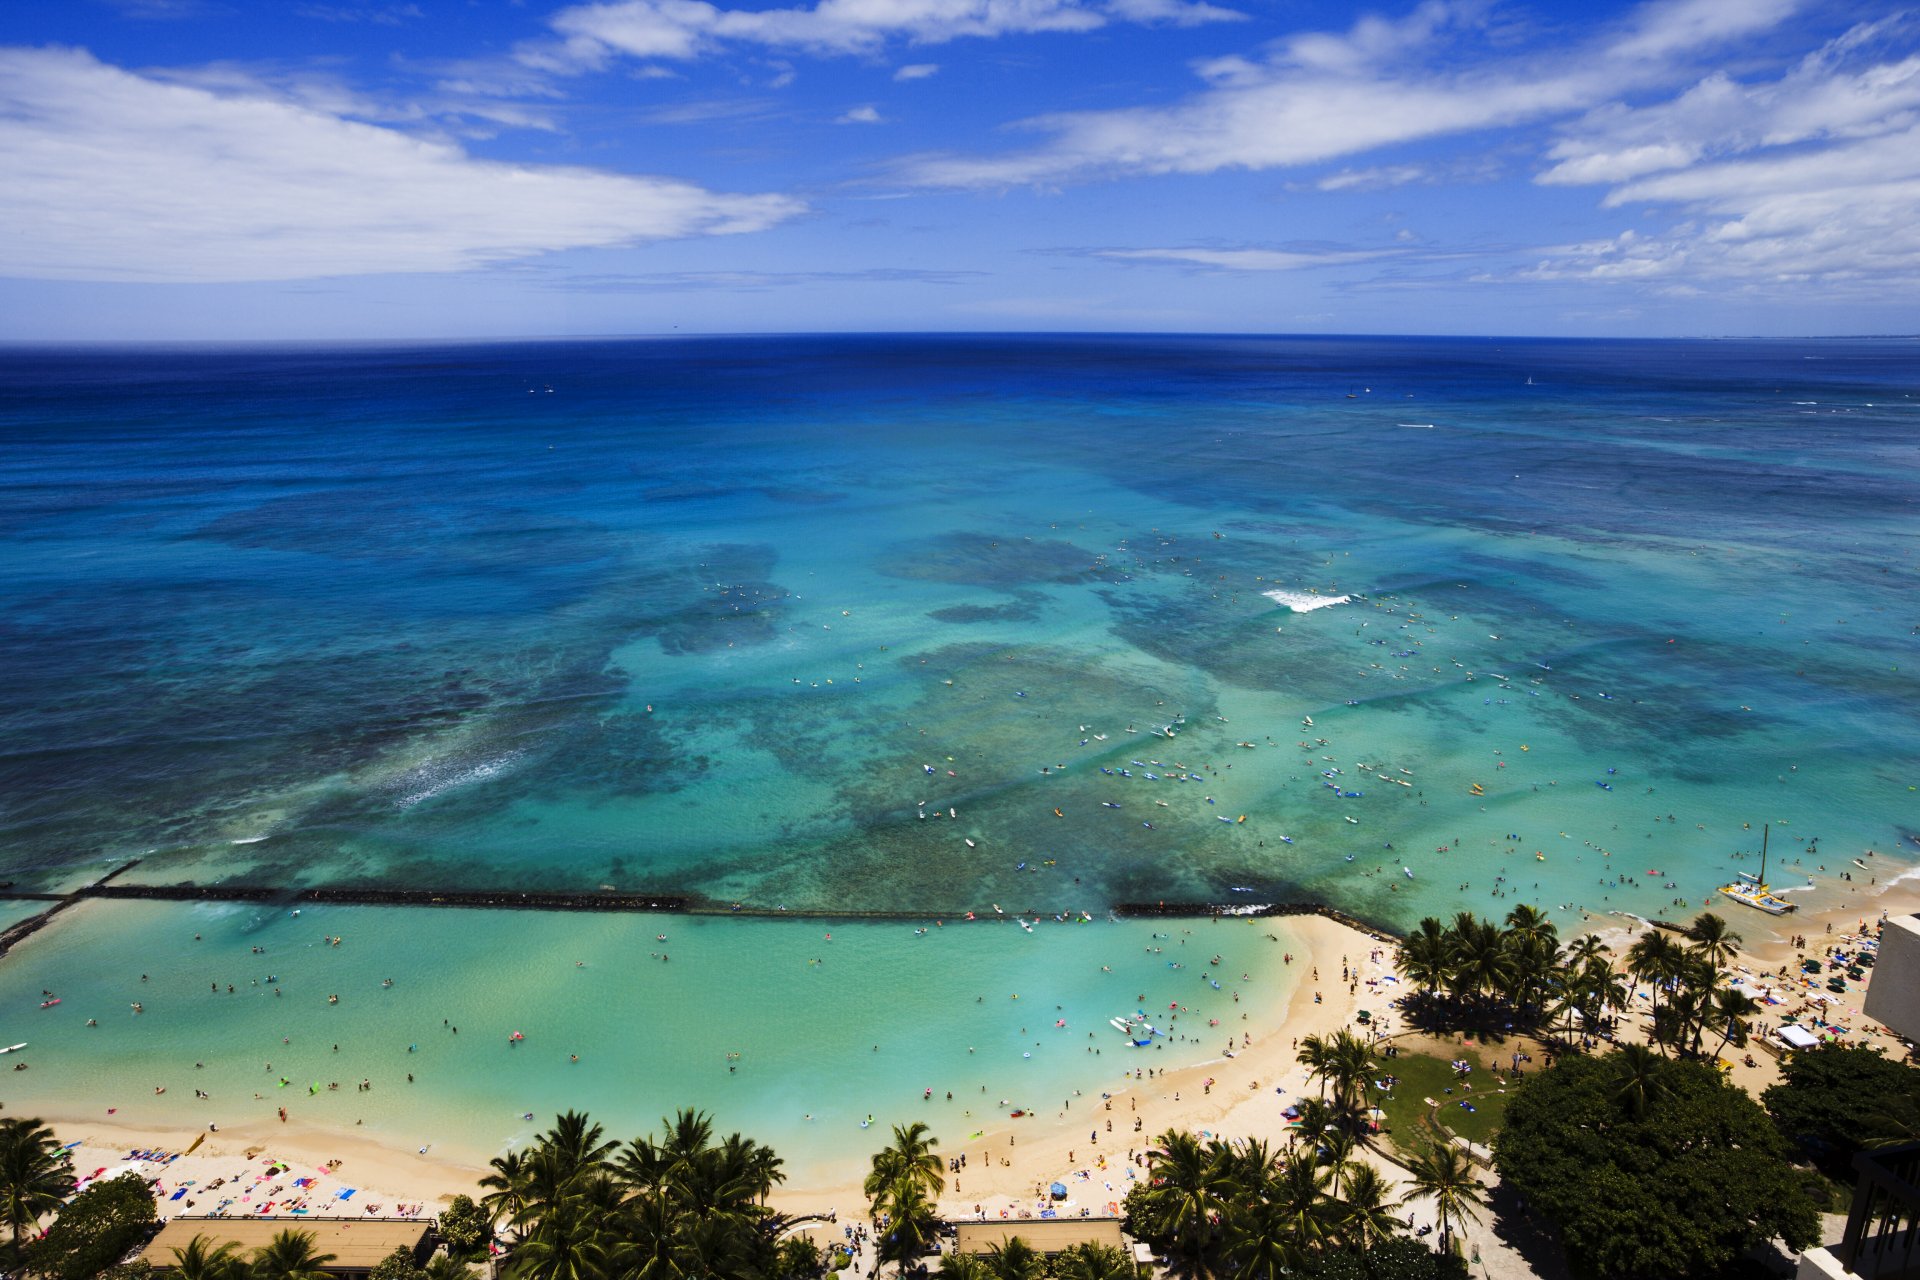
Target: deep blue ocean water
<point>750,618</point>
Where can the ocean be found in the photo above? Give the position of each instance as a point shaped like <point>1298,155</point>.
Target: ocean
<point>920,626</point>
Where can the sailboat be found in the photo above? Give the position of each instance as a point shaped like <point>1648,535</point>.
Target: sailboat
<point>1753,891</point>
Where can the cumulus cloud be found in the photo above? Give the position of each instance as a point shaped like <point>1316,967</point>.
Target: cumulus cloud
<point>861,115</point>
<point>1317,96</point>
<point>117,176</point>
<point>917,71</point>
<point>1813,175</point>
<point>590,33</point>
<point>1831,94</point>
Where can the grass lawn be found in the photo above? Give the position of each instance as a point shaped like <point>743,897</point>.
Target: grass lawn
<point>1423,1076</point>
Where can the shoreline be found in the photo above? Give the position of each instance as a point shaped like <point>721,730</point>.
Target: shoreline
<point>1037,1150</point>
<point>1227,1094</point>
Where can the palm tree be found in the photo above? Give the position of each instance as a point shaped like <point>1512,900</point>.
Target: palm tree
<point>1084,1262</point>
<point>653,1248</point>
<point>1317,1119</point>
<point>1339,1143</point>
<point>1313,1055</point>
<point>1531,958</point>
<point>1191,1187</point>
<point>1297,1193</point>
<point>1531,922</point>
<point>569,1243</point>
<point>910,1158</point>
<point>1426,957</point>
<point>764,1170</point>
<point>1712,940</point>
<point>36,1175</point>
<point>1654,958</point>
<point>1260,1244</point>
<point>967,1266</point>
<point>1605,988</point>
<point>506,1187</point>
<point>1016,1260</point>
<point>1585,948</point>
<point>1482,963</point>
<point>1731,1011</point>
<point>575,1144</point>
<point>1642,1081</point>
<point>911,1221</point>
<point>1363,1214</point>
<point>199,1262</point>
<point>1443,1174</point>
<point>1350,1065</point>
<point>442,1267</point>
<point>289,1256</point>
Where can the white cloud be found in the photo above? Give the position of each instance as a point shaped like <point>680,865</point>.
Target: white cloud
<point>1377,179</point>
<point>1824,97</point>
<point>1172,13</point>
<point>861,115</point>
<point>688,28</point>
<point>1242,259</point>
<point>1660,31</point>
<point>1813,176</point>
<point>116,176</point>
<point>917,71</point>
<point>1318,96</point>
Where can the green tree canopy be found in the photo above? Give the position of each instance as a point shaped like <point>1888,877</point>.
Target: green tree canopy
<point>1835,1099</point>
<point>94,1229</point>
<point>398,1265</point>
<point>464,1227</point>
<point>1650,1168</point>
<point>1397,1259</point>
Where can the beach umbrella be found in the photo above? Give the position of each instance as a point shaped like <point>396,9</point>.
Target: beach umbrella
<point>1059,1190</point>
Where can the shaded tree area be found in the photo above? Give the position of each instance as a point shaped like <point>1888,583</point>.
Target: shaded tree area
<point>1246,1210</point>
<point>1835,1100</point>
<point>1651,1168</point>
<point>1516,975</point>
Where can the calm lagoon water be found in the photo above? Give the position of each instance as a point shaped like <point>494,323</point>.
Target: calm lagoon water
<point>832,1023</point>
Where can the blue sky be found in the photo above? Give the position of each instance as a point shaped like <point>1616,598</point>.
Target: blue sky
<point>446,168</point>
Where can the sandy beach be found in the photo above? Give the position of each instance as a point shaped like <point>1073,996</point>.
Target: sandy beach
<point>1093,1142</point>
<point>267,1170</point>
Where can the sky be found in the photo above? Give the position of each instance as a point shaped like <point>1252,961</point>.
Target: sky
<point>372,169</point>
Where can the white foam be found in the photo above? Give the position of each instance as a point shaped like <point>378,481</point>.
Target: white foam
<point>248,840</point>
<point>1303,602</point>
<point>439,777</point>
<point>1911,873</point>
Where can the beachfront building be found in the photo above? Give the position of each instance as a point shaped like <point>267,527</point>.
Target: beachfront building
<point>1882,1239</point>
<point>357,1244</point>
<point>1893,998</point>
<point>1043,1235</point>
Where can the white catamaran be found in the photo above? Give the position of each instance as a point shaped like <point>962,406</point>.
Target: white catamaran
<point>1753,891</point>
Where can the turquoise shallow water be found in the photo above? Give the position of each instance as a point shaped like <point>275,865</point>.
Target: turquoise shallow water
<point>700,617</point>
<point>839,1027</point>
<point>901,625</point>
